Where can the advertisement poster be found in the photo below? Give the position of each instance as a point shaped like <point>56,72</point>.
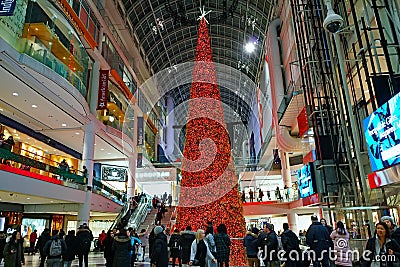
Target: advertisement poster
<point>305,181</point>
<point>113,173</point>
<point>382,134</point>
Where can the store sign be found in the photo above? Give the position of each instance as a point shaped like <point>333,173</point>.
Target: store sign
<point>302,122</point>
<point>113,173</point>
<point>103,90</point>
<point>7,7</point>
<point>140,131</point>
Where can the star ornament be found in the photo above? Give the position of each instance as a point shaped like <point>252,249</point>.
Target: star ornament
<point>204,13</point>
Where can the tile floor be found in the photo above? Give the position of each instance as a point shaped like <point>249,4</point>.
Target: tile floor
<point>95,259</point>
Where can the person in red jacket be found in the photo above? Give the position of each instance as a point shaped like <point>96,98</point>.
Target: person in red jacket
<point>102,237</point>
<point>32,240</point>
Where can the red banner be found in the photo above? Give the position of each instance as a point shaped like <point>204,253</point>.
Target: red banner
<point>302,121</point>
<point>103,90</point>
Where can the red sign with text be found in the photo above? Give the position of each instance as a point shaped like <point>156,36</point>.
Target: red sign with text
<point>302,121</point>
<point>103,90</point>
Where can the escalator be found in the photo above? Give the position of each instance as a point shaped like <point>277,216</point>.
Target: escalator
<point>132,216</point>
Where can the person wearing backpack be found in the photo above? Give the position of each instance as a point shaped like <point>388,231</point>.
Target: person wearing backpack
<point>84,237</point>
<point>175,247</point>
<point>54,249</point>
<point>43,238</point>
<point>290,242</point>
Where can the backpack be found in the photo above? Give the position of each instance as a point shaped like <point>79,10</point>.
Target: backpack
<point>293,243</point>
<point>55,248</point>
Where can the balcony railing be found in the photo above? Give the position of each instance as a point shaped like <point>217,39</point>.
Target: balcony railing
<point>41,53</point>
<point>68,178</point>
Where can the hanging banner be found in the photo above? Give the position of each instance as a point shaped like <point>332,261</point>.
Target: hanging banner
<point>302,122</point>
<point>103,90</point>
<point>7,7</point>
<point>139,162</point>
<point>140,131</point>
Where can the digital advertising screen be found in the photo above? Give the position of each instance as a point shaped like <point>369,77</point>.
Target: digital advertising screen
<point>382,134</point>
<point>305,181</point>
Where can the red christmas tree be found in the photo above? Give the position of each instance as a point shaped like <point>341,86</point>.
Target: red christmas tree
<point>209,189</point>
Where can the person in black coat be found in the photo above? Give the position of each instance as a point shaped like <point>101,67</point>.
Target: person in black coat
<point>108,252</point>
<point>175,247</point>
<point>72,248</point>
<point>43,238</point>
<point>290,242</point>
<point>2,244</point>
<point>160,250</point>
<point>84,238</point>
<point>122,249</point>
<point>187,238</point>
<point>268,241</point>
<point>381,245</point>
<point>319,240</point>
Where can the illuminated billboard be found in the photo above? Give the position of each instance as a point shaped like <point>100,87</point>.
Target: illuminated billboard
<point>305,181</point>
<point>382,134</point>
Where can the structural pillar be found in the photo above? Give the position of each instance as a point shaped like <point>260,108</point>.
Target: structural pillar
<point>94,87</point>
<point>285,168</point>
<point>292,221</point>
<point>132,159</point>
<point>88,155</point>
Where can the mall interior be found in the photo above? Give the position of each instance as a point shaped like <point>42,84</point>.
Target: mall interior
<point>95,95</point>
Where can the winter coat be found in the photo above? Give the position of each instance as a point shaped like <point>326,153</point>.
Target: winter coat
<point>2,245</point>
<point>84,238</point>
<point>187,238</point>
<point>72,247</point>
<point>175,245</point>
<point>108,244</point>
<point>270,242</point>
<point>17,257</point>
<point>47,247</point>
<point>342,249</point>
<point>43,238</point>
<point>222,243</point>
<point>374,247</point>
<point>290,241</point>
<point>209,239</point>
<point>122,248</point>
<point>396,234</point>
<point>251,244</point>
<point>160,251</point>
<point>144,238</point>
<point>201,252</point>
<point>318,238</point>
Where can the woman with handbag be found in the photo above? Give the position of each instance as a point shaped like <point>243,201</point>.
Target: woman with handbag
<point>200,251</point>
<point>211,245</point>
<point>381,251</point>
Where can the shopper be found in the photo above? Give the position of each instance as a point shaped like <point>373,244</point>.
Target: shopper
<point>84,237</point>
<point>290,243</point>
<point>394,230</point>
<point>340,239</point>
<point>380,247</point>
<point>32,241</point>
<point>43,238</point>
<point>187,238</point>
<point>222,243</point>
<point>318,239</point>
<point>72,248</point>
<point>54,249</point>
<point>144,238</point>
<point>122,249</point>
<point>2,244</point>
<point>159,257</point>
<point>175,248</point>
<point>199,250</point>
<point>268,242</point>
<point>209,238</point>
<point>250,241</point>
<point>14,251</point>
<point>108,252</point>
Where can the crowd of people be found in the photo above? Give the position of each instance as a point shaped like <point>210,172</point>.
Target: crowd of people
<point>327,246</point>
<point>279,194</point>
<point>56,249</point>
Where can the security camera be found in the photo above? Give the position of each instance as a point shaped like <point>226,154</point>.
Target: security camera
<point>333,22</point>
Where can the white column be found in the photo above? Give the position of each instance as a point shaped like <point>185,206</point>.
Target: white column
<point>285,169</point>
<point>133,158</point>
<point>88,155</point>
<point>94,87</point>
<point>292,221</point>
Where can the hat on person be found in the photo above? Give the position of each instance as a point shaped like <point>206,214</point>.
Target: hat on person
<point>390,219</point>
<point>158,229</point>
<point>270,226</point>
<point>255,230</point>
<point>314,218</point>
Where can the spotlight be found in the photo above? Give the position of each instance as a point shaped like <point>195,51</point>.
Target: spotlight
<point>250,47</point>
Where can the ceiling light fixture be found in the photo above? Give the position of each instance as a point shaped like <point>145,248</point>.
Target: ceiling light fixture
<point>34,106</point>
<point>77,133</point>
<point>15,94</point>
<point>102,149</point>
<point>63,124</point>
<point>250,47</point>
